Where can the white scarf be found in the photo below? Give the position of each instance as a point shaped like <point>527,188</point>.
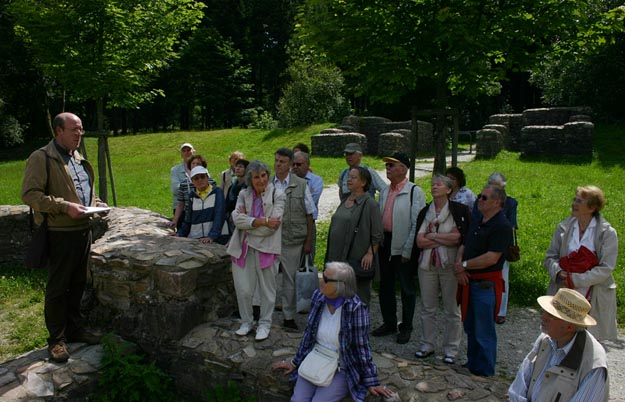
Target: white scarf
<point>443,223</point>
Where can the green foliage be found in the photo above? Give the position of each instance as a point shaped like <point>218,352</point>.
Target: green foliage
<point>11,132</point>
<point>587,70</point>
<point>258,118</point>
<point>22,326</point>
<point>313,95</point>
<point>126,376</point>
<point>229,393</point>
<point>102,49</point>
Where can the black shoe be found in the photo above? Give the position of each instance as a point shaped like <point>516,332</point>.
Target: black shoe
<point>384,330</point>
<point>256,312</point>
<point>403,337</point>
<point>58,352</point>
<point>289,324</point>
<point>86,337</point>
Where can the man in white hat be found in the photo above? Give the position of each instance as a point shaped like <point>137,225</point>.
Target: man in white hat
<point>566,363</point>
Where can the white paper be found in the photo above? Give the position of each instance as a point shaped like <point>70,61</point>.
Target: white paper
<point>95,210</point>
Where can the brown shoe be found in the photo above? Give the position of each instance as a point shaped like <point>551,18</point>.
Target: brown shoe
<point>58,352</point>
<point>86,337</point>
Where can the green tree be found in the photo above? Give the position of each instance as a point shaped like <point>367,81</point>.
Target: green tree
<point>314,94</point>
<point>104,50</point>
<point>456,48</point>
<point>588,69</point>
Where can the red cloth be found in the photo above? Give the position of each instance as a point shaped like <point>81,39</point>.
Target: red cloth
<point>462,295</point>
<point>578,262</point>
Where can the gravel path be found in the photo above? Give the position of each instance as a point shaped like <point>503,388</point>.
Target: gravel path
<point>515,337</point>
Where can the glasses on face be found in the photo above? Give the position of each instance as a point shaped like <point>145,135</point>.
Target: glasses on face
<point>328,280</point>
<point>579,200</point>
<point>75,130</point>
<point>199,177</point>
<point>483,197</point>
<point>297,164</point>
<point>389,164</point>
<point>348,153</point>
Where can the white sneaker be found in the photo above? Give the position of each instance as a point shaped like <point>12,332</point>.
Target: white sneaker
<point>262,333</point>
<point>244,329</point>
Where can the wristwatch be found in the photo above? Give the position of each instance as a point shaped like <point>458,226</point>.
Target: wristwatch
<point>464,264</point>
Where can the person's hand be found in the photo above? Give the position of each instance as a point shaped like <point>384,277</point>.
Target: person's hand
<point>242,210</point>
<point>102,204</point>
<point>76,211</point>
<point>308,246</point>
<point>273,223</point>
<point>285,365</point>
<point>381,390</point>
<point>206,240</point>
<point>404,260</point>
<point>173,224</point>
<point>463,278</point>
<point>366,261</point>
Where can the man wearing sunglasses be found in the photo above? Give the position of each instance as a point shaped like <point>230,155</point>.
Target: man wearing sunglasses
<point>478,267</point>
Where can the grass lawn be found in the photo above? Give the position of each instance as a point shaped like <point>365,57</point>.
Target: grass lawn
<point>544,188</point>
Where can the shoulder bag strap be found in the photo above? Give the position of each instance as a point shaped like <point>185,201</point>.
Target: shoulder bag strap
<point>45,215</point>
<point>351,243</point>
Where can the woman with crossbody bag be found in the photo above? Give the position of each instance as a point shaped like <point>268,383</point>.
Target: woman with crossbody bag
<point>334,358</point>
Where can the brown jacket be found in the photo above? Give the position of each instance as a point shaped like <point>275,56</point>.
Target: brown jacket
<point>61,189</point>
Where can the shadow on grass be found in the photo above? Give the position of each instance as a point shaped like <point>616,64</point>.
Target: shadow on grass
<point>281,132</point>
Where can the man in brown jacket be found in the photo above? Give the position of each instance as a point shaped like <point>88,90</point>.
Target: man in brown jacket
<point>58,182</point>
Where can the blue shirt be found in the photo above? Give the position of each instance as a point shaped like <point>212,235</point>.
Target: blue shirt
<point>315,185</point>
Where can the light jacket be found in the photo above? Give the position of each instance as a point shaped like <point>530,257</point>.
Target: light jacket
<point>561,382</point>
<point>600,277</point>
<point>61,189</point>
<point>260,238</point>
<point>404,217</point>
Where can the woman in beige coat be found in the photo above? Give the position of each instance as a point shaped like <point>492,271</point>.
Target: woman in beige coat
<point>586,228</point>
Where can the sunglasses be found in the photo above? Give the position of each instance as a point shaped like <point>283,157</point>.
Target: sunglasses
<point>296,164</point>
<point>483,197</point>
<point>389,164</point>
<point>328,280</point>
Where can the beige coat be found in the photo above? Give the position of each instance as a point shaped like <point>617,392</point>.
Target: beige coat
<point>260,238</point>
<point>603,296</point>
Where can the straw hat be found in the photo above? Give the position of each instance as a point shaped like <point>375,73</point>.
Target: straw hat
<point>568,305</point>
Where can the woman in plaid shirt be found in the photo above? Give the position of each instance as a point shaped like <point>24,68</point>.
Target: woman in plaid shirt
<point>338,320</point>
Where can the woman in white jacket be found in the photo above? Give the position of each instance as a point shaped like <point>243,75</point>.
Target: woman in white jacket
<point>255,247</point>
<point>586,228</point>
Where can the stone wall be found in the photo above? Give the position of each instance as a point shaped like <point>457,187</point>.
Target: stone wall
<point>573,139</point>
<point>373,129</point>
<point>488,143</point>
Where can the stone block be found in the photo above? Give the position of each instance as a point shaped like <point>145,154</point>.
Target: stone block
<point>334,144</point>
<point>179,284</point>
<point>489,142</point>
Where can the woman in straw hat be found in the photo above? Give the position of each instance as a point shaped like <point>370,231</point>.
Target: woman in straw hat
<point>566,363</point>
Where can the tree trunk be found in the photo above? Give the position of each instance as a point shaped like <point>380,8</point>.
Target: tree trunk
<point>102,189</point>
<point>440,136</point>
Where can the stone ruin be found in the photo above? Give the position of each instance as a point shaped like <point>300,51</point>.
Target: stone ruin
<point>174,299</point>
<point>376,135</point>
<point>565,131</point>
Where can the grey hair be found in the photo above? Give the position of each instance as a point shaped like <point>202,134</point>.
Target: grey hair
<point>344,273</point>
<point>303,155</point>
<point>255,166</point>
<point>498,193</point>
<point>497,179</point>
<point>446,180</point>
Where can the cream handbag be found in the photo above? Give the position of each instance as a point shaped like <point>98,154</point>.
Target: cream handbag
<point>319,366</point>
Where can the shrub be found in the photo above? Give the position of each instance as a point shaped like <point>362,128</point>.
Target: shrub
<point>127,377</point>
<point>313,95</point>
<point>11,131</point>
<point>229,393</point>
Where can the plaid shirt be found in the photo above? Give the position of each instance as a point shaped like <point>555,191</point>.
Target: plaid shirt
<point>355,351</point>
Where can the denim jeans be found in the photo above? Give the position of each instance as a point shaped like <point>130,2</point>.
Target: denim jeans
<point>479,326</point>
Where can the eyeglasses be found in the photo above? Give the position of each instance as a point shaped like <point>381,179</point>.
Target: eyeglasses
<point>76,130</point>
<point>348,153</point>
<point>389,164</point>
<point>296,164</point>
<point>199,177</point>
<point>328,280</point>
<point>578,200</point>
<point>483,197</point>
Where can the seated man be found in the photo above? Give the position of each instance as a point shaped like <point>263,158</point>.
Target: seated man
<point>566,363</point>
<point>205,210</point>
